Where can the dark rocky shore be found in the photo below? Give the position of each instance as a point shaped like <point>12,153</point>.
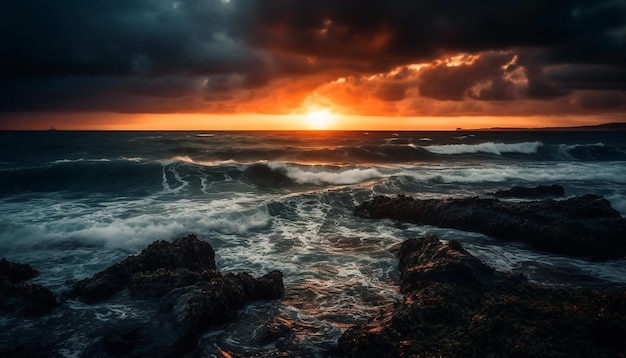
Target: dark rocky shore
<point>192,296</point>
<point>583,226</point>
<point>178,282</point>
<point>539,191</point>
<point>20,298</point>
<point>456,306</point>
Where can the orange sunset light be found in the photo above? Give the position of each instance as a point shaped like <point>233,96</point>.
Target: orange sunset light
<point>320,119</point>
<point>299,65</point>
<point>314,120</point>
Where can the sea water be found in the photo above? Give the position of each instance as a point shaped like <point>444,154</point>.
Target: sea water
<point>74,203</point>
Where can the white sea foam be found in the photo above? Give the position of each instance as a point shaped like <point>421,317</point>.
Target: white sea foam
<point>79,160</point>
<point>487,147</point>
<point>133,159</point>
<point>205,163</point>
<point>172,181</point>
<point>568,147</point>
<point>179,158</point>
<point>546,172</point>
<point>75,346</point>
<point>327,175</point>
<point>127,224</point>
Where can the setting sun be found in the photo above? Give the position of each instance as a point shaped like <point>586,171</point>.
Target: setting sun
<point>320,119</point>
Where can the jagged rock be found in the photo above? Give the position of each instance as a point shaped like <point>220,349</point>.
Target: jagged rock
<point>16,272</point>
<point>150,284</point>
<point>187,252</point>
<point>495,315</point>
<point>583,226</point>
<point>186,311</point>
<point>17,297</point>
<point>124,340</point>
<point>179,283</point>
<point>211,303</point>
<point>536,192</point>
<point>424,261</point>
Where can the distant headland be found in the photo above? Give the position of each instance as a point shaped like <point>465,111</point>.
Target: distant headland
<point>600,127</point>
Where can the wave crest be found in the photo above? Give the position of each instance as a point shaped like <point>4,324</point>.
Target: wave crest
<point>320,175</point>
<point>487,147</point>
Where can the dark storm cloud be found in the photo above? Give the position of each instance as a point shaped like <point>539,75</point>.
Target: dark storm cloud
<point>540,86</point>
<point>155,55</point>
<point>390,31</point>
<point>603,101</point>
<point>101,93</point>
<point>386,34</point>
<point>592,77</point>
<point>108,55</point>
<point>445,82</point>
<point>391,91</point>
<point>119,37</point>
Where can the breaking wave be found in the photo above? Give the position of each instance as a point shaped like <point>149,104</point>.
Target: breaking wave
<point>487,147</point>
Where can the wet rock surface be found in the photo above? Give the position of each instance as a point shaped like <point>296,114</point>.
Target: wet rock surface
<point>538,191</point>
<point>174,290</point>
<point>455,306</point>
<point>188,295</point>
<point>20,298</point>
<point>16,272</point>
<point>183,253</point>
<point>584,226</point>
<point>185,306</point>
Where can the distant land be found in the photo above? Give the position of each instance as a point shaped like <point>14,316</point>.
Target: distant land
<point>600,127</point>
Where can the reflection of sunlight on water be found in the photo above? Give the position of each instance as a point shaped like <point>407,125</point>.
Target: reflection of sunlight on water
<point>337,273</point>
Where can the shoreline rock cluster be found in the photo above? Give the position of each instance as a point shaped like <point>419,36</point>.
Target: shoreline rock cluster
<point>583,226</point>
<point>19,297</point>
<point>539,191</point>
<point>456,306</point>
<point>178,282</point>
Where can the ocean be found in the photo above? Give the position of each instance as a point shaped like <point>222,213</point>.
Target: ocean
<point>74,203</point>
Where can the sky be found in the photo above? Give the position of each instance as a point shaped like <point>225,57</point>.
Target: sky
<point>311,64</point>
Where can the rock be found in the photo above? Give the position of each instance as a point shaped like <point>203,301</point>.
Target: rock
<point>536,192</point>
<point>186,311</point>
<point>16,272</point>
<point>425,260</point>
<point>211,303</point>
<point>19,298</point>
<point>504,315</point>
<point>584,226</point>
<point>123,340</point>
<point>181,286</point>
<point>151,284</point>
<point>187,252</point>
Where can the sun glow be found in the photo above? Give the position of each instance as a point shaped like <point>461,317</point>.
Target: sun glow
<point>319,119</point>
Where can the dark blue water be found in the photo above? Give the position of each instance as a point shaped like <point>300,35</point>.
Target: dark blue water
<point>73,203</point>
